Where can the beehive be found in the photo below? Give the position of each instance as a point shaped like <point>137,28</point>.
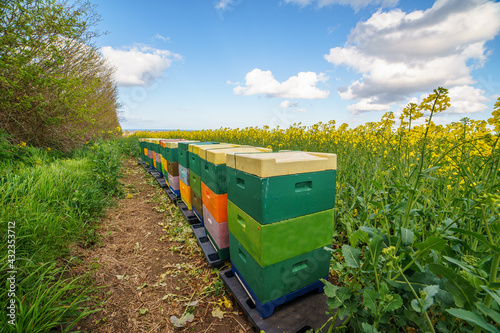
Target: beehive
<point>280,218</point>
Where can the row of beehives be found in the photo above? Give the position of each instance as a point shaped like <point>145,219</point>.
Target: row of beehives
<point>270,213</point>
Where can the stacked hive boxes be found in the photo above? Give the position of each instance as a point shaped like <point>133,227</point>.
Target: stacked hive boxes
<point>155,155</point>
<point>195,174</point>
<point>149,158</point>
<point>280,213</point>
<point>214,194</point>
<point>184,172</point>
<point>144,149</point>
<point>172,164</point>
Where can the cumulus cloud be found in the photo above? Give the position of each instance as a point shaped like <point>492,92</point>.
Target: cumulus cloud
<point>259,82</point>
<point>356,4</point>
<point>400,54</point>
<point>368,104</point>
<point>467,99</point>
<point>139,64</point>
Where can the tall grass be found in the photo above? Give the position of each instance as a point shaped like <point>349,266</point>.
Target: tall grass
<point>55,201</point>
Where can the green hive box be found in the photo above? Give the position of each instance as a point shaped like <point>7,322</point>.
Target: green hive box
<point>195,182</point>
<point>214,176</point>
<point>183,152</point>
<point>171,154</point>
<point>275,242</point>
<point>183,158</point>
<point>272,282</point>
<point>213,165</point>
<point>274,199</point>
<point>194,157</point>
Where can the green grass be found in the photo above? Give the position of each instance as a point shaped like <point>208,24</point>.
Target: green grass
<point>56,201</point>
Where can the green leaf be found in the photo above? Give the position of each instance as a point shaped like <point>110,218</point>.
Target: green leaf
<point>495,315</point>
<point>431,243</point>
<point>367,328</point>
<point>462,265</point>
<point>330,289</point>
<point>351,256</point>
<point>495,294</point>
<point>370,297</point>
<point>344,293</point>
<point>395,303</point>
<point>481,238</point>
<point>416,306</point>
<point>407,237</point>
<point>473,319</point>
<point>358,235</point>
<point>349,307</point>
<point>462,291</point>
<point>375,249</point>
<point>430,292</point>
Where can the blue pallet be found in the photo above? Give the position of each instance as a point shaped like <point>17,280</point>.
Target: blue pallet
<point>266,310</point>
<point>199,217</point>
<point>177,193</point>
<point>171,195</point>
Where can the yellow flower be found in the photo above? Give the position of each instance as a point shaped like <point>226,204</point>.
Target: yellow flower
<point>227,303</point>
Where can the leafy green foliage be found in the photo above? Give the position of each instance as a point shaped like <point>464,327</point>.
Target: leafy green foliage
<point>57,90</point>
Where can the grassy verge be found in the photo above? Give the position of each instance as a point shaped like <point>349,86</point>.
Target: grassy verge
<point>50,201</point>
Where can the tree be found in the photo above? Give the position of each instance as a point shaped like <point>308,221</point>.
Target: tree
<point>57,89</point>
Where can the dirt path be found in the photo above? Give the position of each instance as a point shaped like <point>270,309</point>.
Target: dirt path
<point>149,268</point>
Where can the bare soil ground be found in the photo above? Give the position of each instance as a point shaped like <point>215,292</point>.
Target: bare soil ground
<point>148,268</point>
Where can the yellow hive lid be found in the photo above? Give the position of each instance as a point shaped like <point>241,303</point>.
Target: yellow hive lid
<point>218,156</point>
<point>195,149</point>
<point>281,163</point>
<point>175,144</point>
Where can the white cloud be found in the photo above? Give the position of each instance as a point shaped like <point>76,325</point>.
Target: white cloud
<point>467,99</point>
<point>356,4</point>
<point>301,110</point>
<point>223,4</point>
<point>401,54</point>
<point>259,82</point>
<point>368,104</point>
<point>287,104</point>
<point>138,65</point>
<point>160,37</point>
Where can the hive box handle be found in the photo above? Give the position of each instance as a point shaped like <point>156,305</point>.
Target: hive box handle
<point>242,256</point>
<point>299,266</point>
<point>240,182</point>
<point>241,221</point>
<point>303,186</point>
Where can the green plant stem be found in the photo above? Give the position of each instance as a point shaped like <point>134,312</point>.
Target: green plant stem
<point>334,320</point>
<point>419,302</point>
<point>406,220</point>
<point>493,278</point>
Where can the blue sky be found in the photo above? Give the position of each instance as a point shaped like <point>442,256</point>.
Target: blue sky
<point>193,64</point>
